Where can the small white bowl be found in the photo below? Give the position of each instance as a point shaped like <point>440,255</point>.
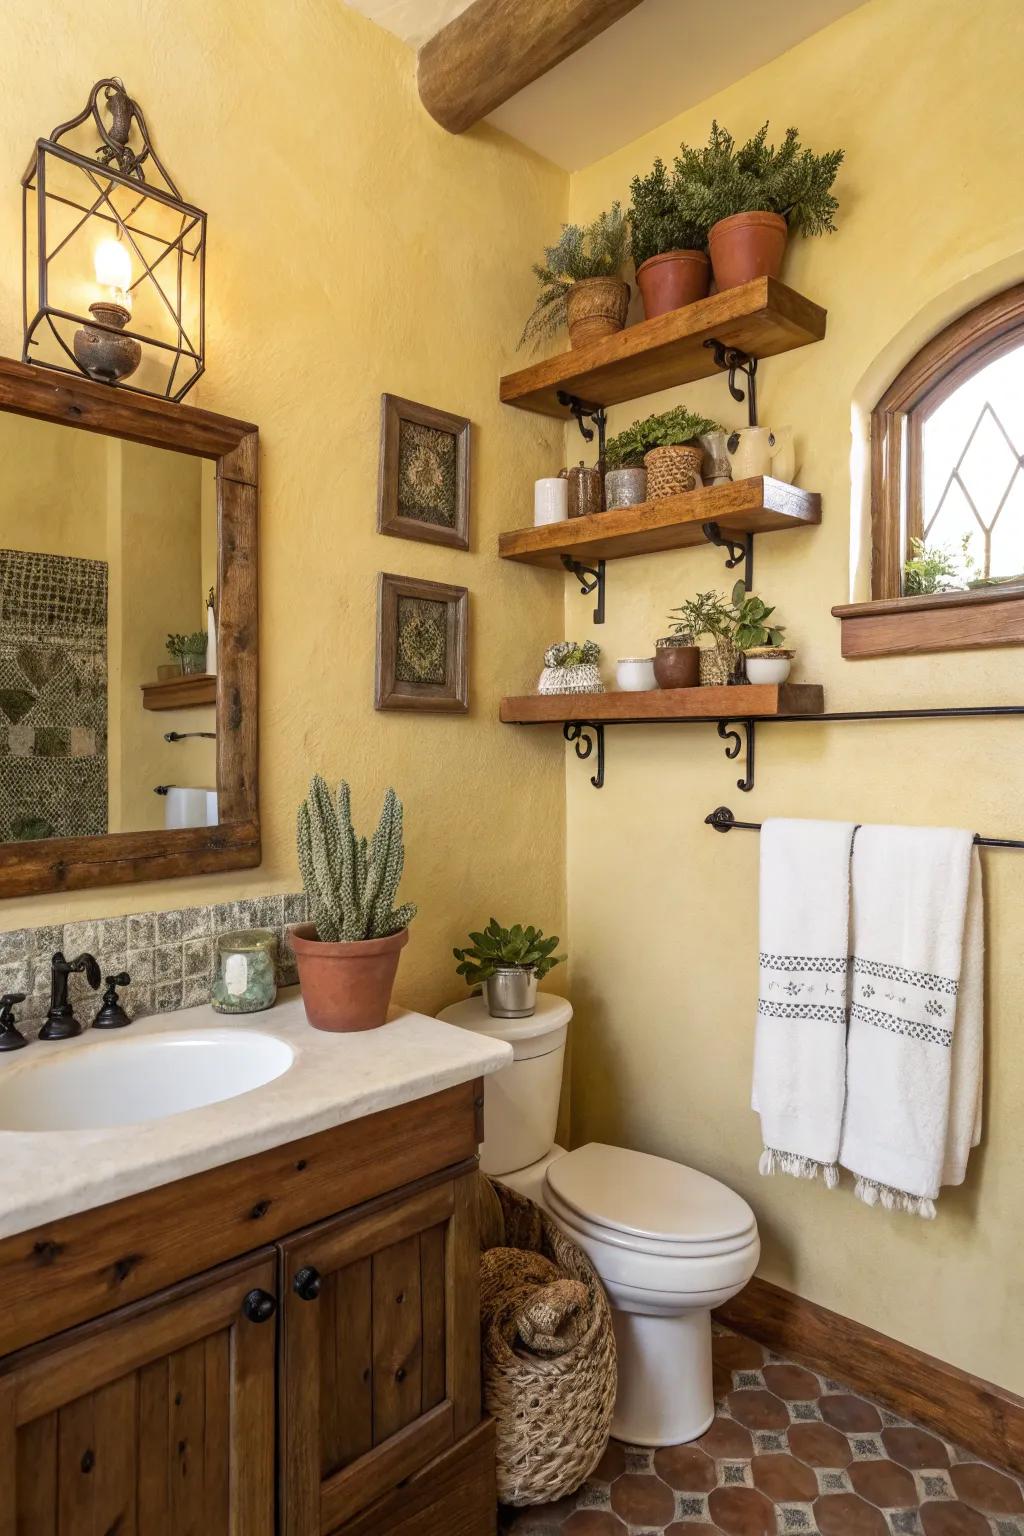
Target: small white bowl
<point>635,674</point>
<point>768,669</point>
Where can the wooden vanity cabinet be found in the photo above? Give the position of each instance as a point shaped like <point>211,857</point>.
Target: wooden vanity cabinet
<point>324,1384</point>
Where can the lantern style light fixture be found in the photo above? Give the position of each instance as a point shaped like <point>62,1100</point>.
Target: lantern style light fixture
<point>113,263</point>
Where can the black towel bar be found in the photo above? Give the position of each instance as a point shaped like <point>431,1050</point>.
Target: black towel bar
<point>723,820</point>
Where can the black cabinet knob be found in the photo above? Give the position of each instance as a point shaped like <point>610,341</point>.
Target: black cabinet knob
<point>306,1284</point>
<point>259,1306</point>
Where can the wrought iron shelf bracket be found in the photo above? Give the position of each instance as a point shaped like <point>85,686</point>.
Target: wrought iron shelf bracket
<point>590,580</point>
<point>735,361</point>
<point>576,733</point>
<point>729,731</point>
<point>583,411</point>
<point>737,552</point>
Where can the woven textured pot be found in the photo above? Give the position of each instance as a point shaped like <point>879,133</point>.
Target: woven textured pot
<point>672,470</point>
<point>585,677</point>
<point>747,245</point>
<point>672,280</point>
<point>595,307</point>
<point>717,664</point>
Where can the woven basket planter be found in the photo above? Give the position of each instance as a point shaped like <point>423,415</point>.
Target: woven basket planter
<point>718,664</point>
<point>595,307</point>
<point>673,470</point>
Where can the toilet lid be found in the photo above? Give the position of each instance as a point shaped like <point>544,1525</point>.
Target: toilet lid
<point>648,1198</point>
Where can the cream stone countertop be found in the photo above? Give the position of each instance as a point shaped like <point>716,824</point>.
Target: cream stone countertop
<point>332,1079</point>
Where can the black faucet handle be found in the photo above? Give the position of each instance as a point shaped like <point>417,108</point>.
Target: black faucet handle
<point>90,965</point>
<point>11,1038</point>
<point>111,1014</point>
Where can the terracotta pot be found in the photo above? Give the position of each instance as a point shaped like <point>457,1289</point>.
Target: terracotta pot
<point>596,307</point>
<point>346,986</point>
<point>746,246</point>
<point>672,280</point>
<point>673,469</point>
<point>677,666</point>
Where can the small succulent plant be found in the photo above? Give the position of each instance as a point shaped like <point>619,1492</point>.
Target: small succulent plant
<point>570,653</point>
<point>498,948</point>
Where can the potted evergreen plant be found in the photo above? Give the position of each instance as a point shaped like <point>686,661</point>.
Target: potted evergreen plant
<point>581,282</point>
<point>750,197</point>
<point>669,244</point>
<point>508,963</point>
<point>347,957</point>
<point>667,446</point>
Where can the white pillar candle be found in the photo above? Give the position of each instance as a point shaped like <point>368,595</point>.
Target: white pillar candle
<point>550,501</point>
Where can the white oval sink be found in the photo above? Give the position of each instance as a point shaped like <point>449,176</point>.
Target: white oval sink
<point>125,1082</point>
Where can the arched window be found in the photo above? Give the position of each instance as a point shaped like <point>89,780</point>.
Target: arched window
<point>947,472</point>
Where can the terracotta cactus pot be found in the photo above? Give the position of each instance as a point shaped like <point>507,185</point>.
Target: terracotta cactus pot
<point>346,986</point>
<point>672,280</point>
<point>746,246</point>
<point>596,307</point>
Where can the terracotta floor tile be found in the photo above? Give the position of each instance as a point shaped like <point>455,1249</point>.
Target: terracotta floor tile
<point>784,1479</point>
<point>986,1489</point>
<point>736,1353</point>
<point>791,1382</point>
<point>914,1448</point>
<point>726,1438</point>
<point>612,1463</point>
<point>721,1382</point>
<point>951,1518</point>
<point>819,1445</point>
<point>742,1512</point>
<point>593,1522</point>
<point>884,1483</point>
<point>690,1529</point>
<point>758,1409</point>
<point>642,1499</point>
<point>853,1415</point>
<point>686,1468</point>
<point>844,1514</point>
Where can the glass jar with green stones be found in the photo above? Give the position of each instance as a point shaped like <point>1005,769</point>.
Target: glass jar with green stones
<point>245,979</point>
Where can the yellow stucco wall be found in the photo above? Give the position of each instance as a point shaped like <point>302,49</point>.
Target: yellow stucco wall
<point>354,247</point>
<point>925,98</point>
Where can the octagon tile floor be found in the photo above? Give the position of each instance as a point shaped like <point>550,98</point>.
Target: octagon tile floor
<point>790,1451</point>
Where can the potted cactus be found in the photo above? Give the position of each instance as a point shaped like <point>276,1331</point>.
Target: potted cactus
<point>347,956</point>
<point>508,963</point>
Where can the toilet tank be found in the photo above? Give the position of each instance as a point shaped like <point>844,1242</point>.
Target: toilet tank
<point>521,1101</point>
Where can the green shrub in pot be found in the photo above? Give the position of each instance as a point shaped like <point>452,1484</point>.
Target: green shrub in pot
<point>508,963</point>
<point>669,244</point>
<point>593,254</point>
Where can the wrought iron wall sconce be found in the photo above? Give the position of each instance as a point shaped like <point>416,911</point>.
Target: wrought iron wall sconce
<point>113,264</point>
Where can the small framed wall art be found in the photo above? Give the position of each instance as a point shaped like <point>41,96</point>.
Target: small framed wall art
<point>421,645</point>
<point>423,485</point>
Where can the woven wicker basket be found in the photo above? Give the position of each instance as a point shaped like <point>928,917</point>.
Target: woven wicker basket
<point>595,307</point>
<point>717,663</point>
<point>672,470</point>
<point>552,1412</point>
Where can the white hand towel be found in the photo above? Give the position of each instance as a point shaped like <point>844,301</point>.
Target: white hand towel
<point>914,1051</point>
<point>800,1041</point>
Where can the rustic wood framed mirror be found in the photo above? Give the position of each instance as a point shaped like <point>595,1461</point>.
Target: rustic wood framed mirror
<point>117,513</point>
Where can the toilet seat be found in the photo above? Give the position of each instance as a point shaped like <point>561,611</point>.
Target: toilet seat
<point>647,1205</point>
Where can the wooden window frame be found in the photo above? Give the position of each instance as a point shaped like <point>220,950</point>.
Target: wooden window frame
<point>891,624</point>
<point>119,858</point>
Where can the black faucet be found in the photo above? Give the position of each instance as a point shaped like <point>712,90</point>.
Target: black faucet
<point>61,1023</point>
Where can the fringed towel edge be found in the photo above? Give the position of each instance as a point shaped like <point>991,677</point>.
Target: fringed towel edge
<point>774,1161</point>
<point>892,1199</point>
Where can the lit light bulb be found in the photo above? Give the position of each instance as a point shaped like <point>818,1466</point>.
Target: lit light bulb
<point>113,267</point>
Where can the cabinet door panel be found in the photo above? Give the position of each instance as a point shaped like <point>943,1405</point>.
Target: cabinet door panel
<point>378,1376</point>
<point>105,1438</point>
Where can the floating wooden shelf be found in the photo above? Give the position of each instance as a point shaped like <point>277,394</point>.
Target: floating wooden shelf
<point>185,692</point>
<point>761,318</point>
<point>760,505</point>
<point>744,702</point>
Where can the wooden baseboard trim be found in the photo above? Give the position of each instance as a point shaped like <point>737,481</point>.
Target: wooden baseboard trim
<point>983,1418</point>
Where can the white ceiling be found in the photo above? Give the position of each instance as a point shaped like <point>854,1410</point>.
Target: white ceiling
<point>663,57</point>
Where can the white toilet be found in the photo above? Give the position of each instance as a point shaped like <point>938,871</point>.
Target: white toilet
<point>668,1242</point>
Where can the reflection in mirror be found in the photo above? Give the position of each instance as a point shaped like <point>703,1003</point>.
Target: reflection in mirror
<point>107,547</point>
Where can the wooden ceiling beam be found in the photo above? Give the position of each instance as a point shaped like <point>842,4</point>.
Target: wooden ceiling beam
<point>496,47</point>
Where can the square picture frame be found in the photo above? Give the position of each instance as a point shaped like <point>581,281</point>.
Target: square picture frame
<point>423,480</point>
<point>421,654</point>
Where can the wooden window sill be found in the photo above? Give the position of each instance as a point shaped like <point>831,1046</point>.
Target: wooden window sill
<point>943,621</point>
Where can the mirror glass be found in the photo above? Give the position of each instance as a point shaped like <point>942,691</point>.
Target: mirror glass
<point>107,549</point>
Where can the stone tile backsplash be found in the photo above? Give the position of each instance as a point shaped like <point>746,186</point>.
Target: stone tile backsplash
<point>169,955</point>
